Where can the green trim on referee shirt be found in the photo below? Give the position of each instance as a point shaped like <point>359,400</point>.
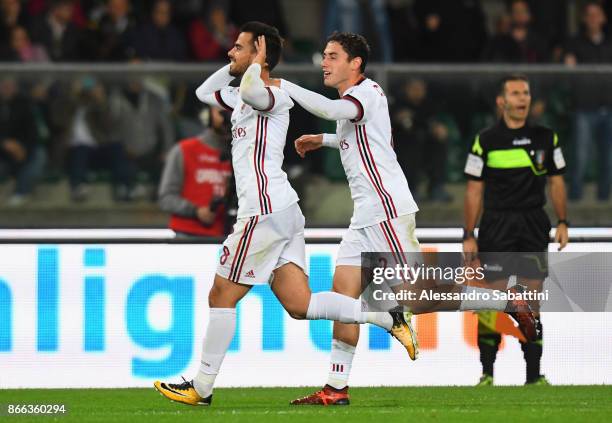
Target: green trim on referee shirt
<point>514,158</point>
<point>477,148</point>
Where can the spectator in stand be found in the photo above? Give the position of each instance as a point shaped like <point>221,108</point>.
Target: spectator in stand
<point>56,32</point>
<point>211,36</point>
<point>421,140</point>
<point>451,31</point>
<point>21,154</point>
<point>269,11</point>
<point>11,15</point>
<point>522,44</point>
<point>86,124</point>
<point>593,102</point>
<point>81,8</point>
<point>347,16</point>
<point>157,39</point>
<point>195,180</point>
<point>113,26</point>
<point>21,48</point>
<point>141,122</point>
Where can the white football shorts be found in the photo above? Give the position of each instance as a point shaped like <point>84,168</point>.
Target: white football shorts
<point>395,236</point>
<point>260,244</point>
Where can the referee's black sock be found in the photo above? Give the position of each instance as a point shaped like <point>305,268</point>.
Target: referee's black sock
<point>532,351</point>
<point>488,343</point>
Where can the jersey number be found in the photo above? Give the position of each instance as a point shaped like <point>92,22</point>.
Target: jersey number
<point>224,256</point>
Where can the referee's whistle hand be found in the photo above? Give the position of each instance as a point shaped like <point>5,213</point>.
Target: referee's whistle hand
<point>561,236</point>
<point>470,250</point>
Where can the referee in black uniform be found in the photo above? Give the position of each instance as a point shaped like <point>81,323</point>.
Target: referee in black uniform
<point>510,163</point>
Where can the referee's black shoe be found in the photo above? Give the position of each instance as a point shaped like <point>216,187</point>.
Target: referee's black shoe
<point>521,312</point>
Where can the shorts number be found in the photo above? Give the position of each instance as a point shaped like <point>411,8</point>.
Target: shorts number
<point>224,256</point>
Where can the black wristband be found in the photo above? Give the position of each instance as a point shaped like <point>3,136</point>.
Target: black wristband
<point>563,221</point>
<point>467,234</point>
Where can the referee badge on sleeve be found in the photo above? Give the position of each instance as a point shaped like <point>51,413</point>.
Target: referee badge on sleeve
<point>474,165</point>
<point>558,158</point>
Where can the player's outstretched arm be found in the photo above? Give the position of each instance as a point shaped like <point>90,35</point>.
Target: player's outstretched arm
<point>320,105</point>
<point>210,89</point>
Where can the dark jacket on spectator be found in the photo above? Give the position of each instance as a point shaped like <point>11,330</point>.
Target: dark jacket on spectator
<point>505,49</point>
<point>592,91</point>
<point>149,42</point>
<point>16,122</point>
<point>65,49</point>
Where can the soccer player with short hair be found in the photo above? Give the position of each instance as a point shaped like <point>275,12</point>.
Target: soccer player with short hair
<point>384,210</point>
<point>267,245</point>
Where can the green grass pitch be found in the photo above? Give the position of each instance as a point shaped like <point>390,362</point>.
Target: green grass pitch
<point>253,405</point>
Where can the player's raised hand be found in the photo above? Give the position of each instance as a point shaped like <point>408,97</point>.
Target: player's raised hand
<point>260,47</point>
<point>307,143</point>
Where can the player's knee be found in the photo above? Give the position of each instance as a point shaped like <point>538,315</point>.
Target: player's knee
<point>217,299</point>
<point>296,311</point>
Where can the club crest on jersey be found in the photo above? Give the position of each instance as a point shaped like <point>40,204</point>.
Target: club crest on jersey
<point>344,145</point>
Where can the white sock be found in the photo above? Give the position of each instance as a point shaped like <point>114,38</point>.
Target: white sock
<point>343,309</point>
<point>482,304</point>
<point>219,334</point>
<point>341,361</point>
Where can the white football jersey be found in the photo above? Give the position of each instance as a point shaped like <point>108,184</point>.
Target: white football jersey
<point>258,141</point>
<point>378,186</point>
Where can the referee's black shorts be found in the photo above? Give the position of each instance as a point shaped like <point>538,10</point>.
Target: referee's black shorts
<point>503,235</point>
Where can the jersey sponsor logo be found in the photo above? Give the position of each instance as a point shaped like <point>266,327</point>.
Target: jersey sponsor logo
<point>558,158</point>
<point>344,145</point>
<point>239,132</point>
<point>474,165</point>
<point>521,141</point>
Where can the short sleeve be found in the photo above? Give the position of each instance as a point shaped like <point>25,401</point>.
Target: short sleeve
<point>227,97</point>
<point>556,161</point>
<point>476,160</point>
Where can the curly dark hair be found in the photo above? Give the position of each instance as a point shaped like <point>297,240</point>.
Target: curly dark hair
<point>355,45</point>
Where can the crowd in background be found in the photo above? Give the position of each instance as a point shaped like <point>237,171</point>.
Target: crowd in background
<point>51,128</point>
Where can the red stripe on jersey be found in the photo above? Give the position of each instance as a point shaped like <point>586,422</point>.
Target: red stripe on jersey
<point>263,169</point>
<point>370,160</point>
<point>255,161</point>
<point>361,154</point>
<point>365,134</point>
